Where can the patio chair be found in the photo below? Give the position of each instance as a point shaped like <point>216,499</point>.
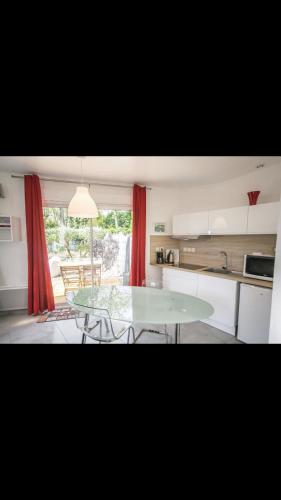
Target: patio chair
<point>71,277</point>
<point>86,275</point>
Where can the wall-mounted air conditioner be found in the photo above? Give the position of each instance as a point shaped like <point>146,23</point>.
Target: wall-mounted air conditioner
<point>10,229</point>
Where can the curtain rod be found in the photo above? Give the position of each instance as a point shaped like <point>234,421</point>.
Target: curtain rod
<point>49,179</point>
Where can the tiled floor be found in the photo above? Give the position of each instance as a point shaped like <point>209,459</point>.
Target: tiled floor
<point>19,328</point>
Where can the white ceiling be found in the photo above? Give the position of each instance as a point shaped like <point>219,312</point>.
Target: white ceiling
<point>149,170</point>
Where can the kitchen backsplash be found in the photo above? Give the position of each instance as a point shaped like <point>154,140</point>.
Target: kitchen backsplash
<point>206,250</point>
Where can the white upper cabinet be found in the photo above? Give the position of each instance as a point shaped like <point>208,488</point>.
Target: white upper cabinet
<point>194,223</point>
<point>257,219</point>
<point>263,218</point>
<point>228,221</point>
<point>179,224</point>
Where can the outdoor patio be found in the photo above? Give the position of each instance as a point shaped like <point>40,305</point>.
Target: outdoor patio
<point>59,291</point>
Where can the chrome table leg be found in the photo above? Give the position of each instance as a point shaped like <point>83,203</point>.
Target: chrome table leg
<point>86,325</point>
<point>177,334</point>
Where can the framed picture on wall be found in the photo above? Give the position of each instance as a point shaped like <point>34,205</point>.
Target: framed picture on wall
<point>160,227</point>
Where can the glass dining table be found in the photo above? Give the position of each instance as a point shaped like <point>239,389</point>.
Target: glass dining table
<point>143,305</point>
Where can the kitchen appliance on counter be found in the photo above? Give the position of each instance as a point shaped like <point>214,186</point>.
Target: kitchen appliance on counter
<point>259,266</point>
<point>160,259</point>
<point>254,314</point>
<point>172,256</point>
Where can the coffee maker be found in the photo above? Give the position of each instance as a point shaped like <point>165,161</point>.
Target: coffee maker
<point>160,256</point>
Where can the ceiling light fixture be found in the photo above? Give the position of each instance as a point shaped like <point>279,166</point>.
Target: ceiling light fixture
<point>82,204</point>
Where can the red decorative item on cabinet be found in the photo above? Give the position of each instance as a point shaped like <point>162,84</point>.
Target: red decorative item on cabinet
<point>253,197</point>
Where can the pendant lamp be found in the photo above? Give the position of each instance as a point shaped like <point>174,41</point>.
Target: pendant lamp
<point>82,204</point>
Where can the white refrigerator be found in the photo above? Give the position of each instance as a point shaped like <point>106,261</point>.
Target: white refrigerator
<point>254,314</point>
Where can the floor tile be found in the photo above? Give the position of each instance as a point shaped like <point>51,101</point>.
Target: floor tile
<point>19,328</point>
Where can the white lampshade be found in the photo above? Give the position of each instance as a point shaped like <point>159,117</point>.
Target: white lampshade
<point>82,204</point>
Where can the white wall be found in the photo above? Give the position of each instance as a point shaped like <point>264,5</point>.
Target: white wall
<point>275,325</point>
<point>13,256</point>
<point>233,193</point>
<point>162,204</point>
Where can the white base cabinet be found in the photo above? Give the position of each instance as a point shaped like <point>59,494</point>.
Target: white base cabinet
<point>221,293</point>
<point>181,282</point>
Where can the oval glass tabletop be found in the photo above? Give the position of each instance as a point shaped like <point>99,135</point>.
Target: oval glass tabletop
<point>141,304</point>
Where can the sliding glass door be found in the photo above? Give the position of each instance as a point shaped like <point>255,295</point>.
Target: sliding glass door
<point>83,251</point>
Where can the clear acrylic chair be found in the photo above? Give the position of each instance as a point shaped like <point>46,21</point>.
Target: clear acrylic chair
<point>103,328</point>
<point>154,284</point>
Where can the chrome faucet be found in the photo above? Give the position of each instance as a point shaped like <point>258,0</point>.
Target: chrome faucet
<point>226,260</point>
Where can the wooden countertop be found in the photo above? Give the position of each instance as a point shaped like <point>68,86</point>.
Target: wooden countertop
<point>234,277</point>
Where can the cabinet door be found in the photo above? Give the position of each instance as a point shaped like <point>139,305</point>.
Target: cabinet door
<point>197,223</point>
<point>222,295</point>
<point>193,223</point>
<point>263,219</point>
<point>179,224</point>
<point>228,221</point>
<point>180,281</point>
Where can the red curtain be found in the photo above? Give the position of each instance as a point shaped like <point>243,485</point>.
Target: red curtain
<point>40,291</point>
<point>139,237</point>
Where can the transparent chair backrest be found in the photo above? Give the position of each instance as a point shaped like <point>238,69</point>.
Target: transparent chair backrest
<point>96,314</point>
<point>111,329</point>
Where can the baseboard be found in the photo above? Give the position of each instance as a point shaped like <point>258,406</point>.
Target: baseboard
<point>224,328</point>
<point>13,309</point>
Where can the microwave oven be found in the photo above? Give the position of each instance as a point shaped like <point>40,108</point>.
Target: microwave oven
<point>259,266</point>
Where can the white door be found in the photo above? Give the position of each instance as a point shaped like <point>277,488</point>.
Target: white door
<point>254,314</point>
<point>180,281</point>
<point>228,221</point>
<point>263,219</point>
<point>222,295</point>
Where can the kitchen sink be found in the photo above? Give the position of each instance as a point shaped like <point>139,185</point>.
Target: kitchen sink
<point>218,270</point>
